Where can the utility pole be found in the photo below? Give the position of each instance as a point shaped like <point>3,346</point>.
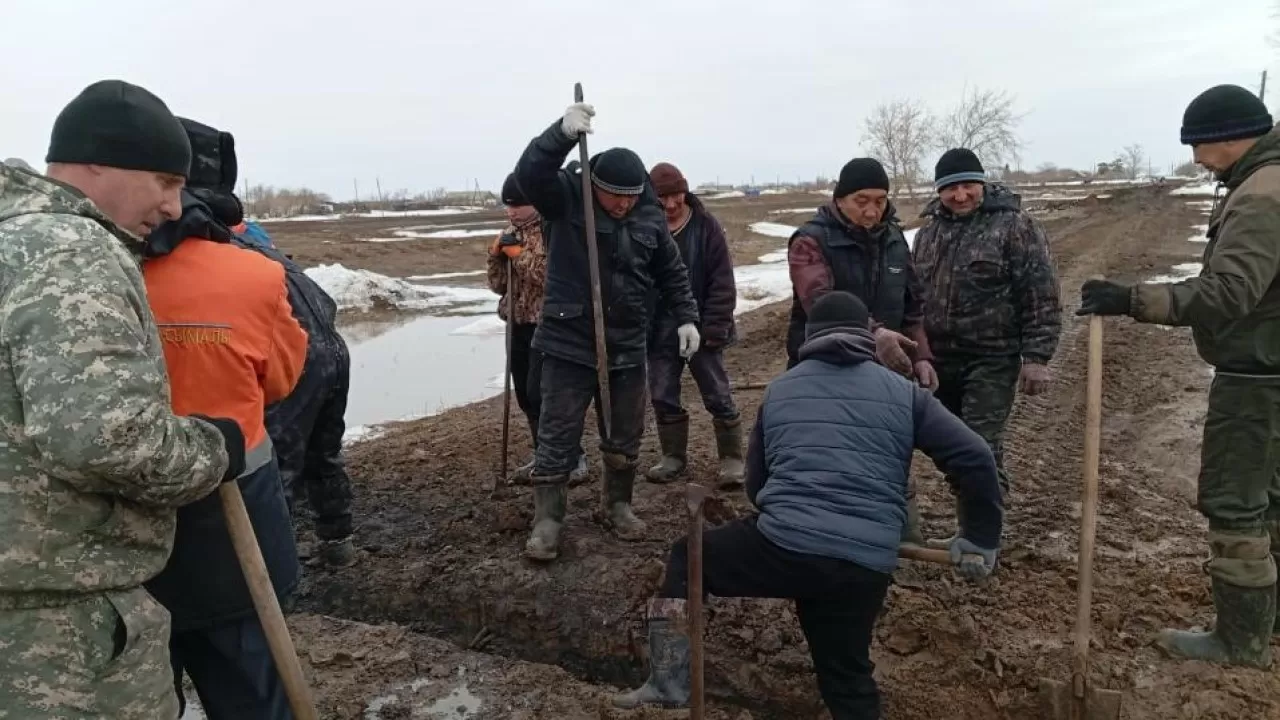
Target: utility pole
<point>377,181</point>
<point>356,184</point>
<point>1262,91</point>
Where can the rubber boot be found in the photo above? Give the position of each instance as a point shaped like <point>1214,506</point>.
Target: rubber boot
<point>729,447</point>
<point>668,683</point>
<point>1241,635</point>
<point>619,481</point>
<point>548,517</point>
<point>674,439</point>
<point>911,534</point>
<point>1273,529</point>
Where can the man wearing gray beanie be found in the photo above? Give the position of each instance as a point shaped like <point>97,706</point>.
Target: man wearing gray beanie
<point>94,461</point>
<point>1233,310</point>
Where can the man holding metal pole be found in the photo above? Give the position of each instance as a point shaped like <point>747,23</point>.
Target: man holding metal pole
<point>635,254</point>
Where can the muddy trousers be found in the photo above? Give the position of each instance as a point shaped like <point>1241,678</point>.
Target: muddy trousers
<point>568,388</point>
<point>1239,484</point>
<point>103,656</point>
<point>232,669</point>
<point>525,362</point>
<point>980,390</point>
<point>837,603</point>
<point>708,370</point>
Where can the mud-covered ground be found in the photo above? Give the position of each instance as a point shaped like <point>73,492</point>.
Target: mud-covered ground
<point>440,557</point>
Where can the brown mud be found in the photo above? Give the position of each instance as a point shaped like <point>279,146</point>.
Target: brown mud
<point>441,557</point>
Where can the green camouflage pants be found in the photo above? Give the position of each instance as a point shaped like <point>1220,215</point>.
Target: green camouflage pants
<point>105,656</point>
<point>1239,486</point>
<point>980,389</point>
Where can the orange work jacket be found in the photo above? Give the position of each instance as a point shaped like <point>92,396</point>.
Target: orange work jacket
<point>231,343</point>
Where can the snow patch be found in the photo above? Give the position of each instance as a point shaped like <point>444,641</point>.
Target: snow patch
<point>364,290</point>
<point>445,276</point>
<point>362,433</point>
<point>417,234</point>
<point>459,210</point>
<point>726,195</point>
<point>1181,271</point>
<point>490,325</point>
<point>910,235</point>
<point>773,229</point>
<point>1210,189</point>
<point>794,210</point>
<point>1202,234</point>
<point>773,257</point>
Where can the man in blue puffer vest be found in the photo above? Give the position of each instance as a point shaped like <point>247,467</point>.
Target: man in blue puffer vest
<point>827,467</point>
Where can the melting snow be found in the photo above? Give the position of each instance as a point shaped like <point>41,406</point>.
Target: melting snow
<point>773,229</point>
<point>726,195</point>
<point>1181,271</point>
<point>413,234</point>
<point>773,257</point>
<point>794,210</point>
<point>460,210</point>
<point>1202,234</point>
<point>1210,189</point>
<point>364,290</point>
<point>444,276</point>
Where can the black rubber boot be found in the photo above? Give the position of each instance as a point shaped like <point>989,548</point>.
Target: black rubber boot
<point>729,447</point>
<point>549,497</point>
<point>674,439</point>
<point>619,482</point>
<point>668,683</point>
<point>1241,635</point>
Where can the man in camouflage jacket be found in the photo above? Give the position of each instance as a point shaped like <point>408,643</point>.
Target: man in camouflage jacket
<point>1233,310</point>
<point>992,311</point>
<point>93,464</point>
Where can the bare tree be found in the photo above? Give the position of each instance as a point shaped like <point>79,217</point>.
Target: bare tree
<point>985,122</point>
<point>898,134</point>
<point>1133,159</point>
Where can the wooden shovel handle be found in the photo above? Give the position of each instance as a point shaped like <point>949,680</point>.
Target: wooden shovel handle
<point>249,554</point>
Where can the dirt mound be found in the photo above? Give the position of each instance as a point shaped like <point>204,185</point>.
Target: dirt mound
<point>443,557</point>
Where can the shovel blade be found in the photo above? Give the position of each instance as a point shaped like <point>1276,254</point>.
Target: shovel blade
<point>1058,702</point>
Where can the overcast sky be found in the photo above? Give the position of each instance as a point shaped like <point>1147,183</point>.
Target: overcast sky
<point>428,94</point>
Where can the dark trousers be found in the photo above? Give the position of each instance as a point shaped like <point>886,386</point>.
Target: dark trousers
<point>837,602</point>
<point>526,365</point>
<point>567,390</point>
<point>231,667</point>
<point>707,368</point>
<point>980,390</point>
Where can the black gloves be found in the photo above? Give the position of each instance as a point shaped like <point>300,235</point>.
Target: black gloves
<point>1103,297</point>
<point>233,439</point>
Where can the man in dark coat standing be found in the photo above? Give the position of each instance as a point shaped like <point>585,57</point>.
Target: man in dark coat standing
<point>705,252</point>
<point>637,257</point>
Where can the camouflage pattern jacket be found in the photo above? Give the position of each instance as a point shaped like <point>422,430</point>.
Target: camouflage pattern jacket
<point>990,284</point>
<point>93,463</point>
<point>529,269</point>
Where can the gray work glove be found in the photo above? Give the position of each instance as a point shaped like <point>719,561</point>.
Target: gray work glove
<point>338,553</point>
<point>972,562</point>
<point>689,340</point>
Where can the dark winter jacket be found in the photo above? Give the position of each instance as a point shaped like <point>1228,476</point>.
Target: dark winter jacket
<point>637,256</point>
<point>1233,307</point>
<point>828,460</point>
<point>705,253</point>
<point>990,284</point>
<point>308,425</point>
<point>202,582</point>
<point>830,253</point>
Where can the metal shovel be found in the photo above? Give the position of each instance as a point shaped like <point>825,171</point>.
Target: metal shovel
<point>1078,699</point>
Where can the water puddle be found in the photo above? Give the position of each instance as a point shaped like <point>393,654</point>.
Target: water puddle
<point>415,366</point>
<point>405,700</point>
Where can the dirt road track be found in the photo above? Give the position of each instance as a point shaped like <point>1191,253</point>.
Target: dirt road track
<point>442,558</point>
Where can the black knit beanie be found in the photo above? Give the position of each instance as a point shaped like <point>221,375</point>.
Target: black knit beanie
<point>512,195</point>
<point>619,171</point>
<point>1223,113</point>
<point>861,174</point>
<point>120,125</point>
<point>957,165</point>
<point>837,309</point>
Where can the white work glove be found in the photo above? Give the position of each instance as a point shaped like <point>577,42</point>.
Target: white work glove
<point>689,340</point>
<point>972,562</point>
<point>577,120</point>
